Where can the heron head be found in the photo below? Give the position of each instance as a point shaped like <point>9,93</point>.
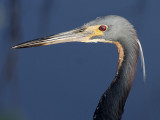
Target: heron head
<point>117,28</point>
<point>103,29</point>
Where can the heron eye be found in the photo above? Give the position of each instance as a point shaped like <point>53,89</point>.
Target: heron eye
<point>102,28</point>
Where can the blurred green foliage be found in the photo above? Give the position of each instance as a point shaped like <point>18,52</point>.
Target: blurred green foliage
<point>12,115</point>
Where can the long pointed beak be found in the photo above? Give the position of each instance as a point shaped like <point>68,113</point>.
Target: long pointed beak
<point>77,35</point>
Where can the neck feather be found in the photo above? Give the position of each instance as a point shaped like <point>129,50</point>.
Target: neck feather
<point>113,100</point>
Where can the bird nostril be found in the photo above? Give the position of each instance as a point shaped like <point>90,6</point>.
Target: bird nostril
<point>102,28</point>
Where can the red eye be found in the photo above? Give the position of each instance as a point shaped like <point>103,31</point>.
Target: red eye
<point>102,28</point>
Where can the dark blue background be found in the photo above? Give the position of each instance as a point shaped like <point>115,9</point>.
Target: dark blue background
<point>66,81</point>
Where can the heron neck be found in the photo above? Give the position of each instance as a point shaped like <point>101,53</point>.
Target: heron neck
<point>128,56</point>
<point>113,100</point>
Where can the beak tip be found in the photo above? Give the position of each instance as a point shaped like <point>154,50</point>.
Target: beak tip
<point>14,47</point>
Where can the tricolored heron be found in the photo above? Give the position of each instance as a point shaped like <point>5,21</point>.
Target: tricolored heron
<point>109,29</point>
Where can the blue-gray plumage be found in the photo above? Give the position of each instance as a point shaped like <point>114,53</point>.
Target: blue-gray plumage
<point>109,29</point>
